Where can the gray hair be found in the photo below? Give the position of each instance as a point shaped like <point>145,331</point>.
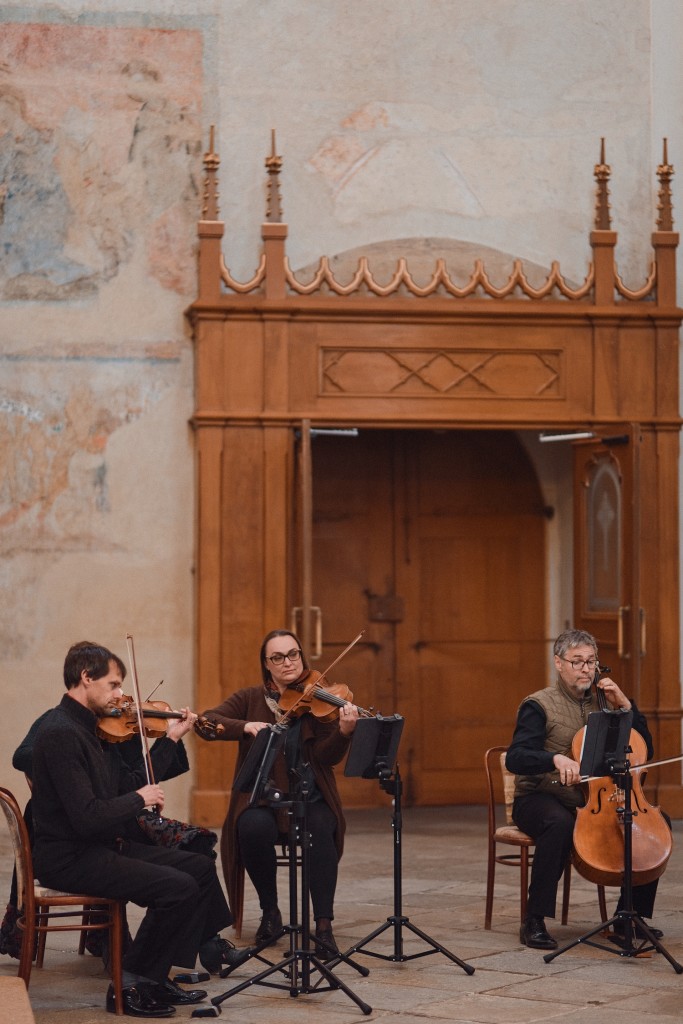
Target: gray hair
<point>573,638</point>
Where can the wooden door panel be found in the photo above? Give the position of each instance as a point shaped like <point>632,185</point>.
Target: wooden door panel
<point>607,568</point>
<point>445,534</point>
<point>352,558</point>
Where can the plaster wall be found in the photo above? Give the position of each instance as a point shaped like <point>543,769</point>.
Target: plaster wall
<point>417,119</point>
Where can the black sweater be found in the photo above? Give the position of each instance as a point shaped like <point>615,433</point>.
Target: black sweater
<point>83,793</point>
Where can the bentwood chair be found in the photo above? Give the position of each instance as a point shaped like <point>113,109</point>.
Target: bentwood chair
<point>39,907</point>
<point>501,788</point>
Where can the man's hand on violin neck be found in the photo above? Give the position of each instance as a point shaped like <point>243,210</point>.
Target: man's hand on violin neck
<point>179,727</point>
<point>569,770</point>
<point>153,796</point>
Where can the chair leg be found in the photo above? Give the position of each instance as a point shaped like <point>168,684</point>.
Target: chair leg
<point>490,881</point>
<point>85,920</point>
<point>566,885</point>
<point>42,938</point>
<point>116,955</point>
<point>523,881</point>
<point>27,944</point>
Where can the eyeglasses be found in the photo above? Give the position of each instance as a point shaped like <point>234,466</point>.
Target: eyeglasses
<point>578,663</point>
<point>277,659</point>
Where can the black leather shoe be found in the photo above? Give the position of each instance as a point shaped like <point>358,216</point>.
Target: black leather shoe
<point>138,1001</point>
<point>618,934</point>
<point>218,953</point>
<point>270,926</point>
<point>328,951</point>
<point>177,996</point>
<point>533,934</point>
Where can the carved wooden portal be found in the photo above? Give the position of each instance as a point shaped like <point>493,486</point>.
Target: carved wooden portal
<point>278,358</point>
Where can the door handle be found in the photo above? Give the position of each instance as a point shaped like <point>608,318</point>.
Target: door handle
<point>295,618</point>
<point>643,633</point>
<point>623,609</point>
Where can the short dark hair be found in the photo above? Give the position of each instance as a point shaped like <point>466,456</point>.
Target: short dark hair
<point>574,638</point>
<point>89,657</point>
<point>265,671</point>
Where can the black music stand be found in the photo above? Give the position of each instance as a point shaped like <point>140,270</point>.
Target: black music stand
<point>373,756</point>
<point>605,752</point>
<point>299,964</point>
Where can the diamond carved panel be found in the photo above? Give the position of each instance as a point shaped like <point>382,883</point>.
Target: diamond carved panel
<point>470,373</point>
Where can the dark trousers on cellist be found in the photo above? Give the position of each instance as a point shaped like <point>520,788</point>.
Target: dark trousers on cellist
<point>181,890</point>
<point>551,825</point>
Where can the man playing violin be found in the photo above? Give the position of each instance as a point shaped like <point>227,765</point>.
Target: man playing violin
<point>86,802</point>
<point>540,756</point>
<point>312,748</point>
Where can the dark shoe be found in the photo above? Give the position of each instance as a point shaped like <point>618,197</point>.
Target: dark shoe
<point>138,1001</point>
<point>270,927</point>
<point>10,935</point>
<point>218,953</point>
<point>94,943</point>
<point>328,951</point>
<point>533,934</point>
<point>618,934</point>
<point>177,996</point>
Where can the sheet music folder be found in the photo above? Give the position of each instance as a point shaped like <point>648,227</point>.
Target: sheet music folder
<point>374,746</point>
<point>605,741</point>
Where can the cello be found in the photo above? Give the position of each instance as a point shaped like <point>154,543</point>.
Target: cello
<point>598,852</point>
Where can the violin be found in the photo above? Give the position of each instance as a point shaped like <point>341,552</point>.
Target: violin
<point>308,695</point>
<point>598,852</point>
<point>120,721</point>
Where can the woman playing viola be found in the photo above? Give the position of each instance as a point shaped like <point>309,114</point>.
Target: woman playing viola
<point>312,748</point>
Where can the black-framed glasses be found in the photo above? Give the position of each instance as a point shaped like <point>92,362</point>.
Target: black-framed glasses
<point>578,663</point>
<point>278,658</point>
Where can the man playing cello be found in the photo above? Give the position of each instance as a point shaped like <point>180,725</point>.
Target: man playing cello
<point>540,756</point>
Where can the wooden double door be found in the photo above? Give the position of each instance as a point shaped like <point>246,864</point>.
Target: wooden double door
<point>433,543</point>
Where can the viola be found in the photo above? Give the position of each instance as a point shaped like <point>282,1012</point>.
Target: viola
<point>599,830</point>
<point>309,695</point>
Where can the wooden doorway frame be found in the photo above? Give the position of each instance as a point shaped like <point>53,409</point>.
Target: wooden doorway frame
<point>274,351</point>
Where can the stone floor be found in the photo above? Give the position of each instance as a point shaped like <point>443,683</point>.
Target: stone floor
<point>444,874</point>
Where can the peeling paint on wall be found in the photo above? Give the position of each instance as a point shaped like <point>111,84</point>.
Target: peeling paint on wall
<point>99,153</point>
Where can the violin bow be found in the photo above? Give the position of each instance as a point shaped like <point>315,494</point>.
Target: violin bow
<point>339,658</point>
<point>311,686</point>
<point>636,768</point>
<point>146,756</point>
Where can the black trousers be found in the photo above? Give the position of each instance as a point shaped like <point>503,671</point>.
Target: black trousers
<point>258,835</point>
<point>181,890</point>
<point>551,826</point>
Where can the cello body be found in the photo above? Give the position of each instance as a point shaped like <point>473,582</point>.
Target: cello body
<point>598,853</point>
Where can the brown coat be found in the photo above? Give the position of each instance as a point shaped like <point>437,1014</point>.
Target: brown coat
<point>323,746</point>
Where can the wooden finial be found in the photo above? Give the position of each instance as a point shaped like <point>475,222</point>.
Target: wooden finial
<point>211,165</point>
<point>273,166</point>
<point>602,172</point>
<point>665,172</point>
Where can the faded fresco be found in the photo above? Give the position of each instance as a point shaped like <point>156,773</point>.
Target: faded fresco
<point>100,137</point>
<point>100,164</point>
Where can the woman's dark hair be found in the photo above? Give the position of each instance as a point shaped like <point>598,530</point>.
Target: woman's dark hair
<point>265,671</point>
<point>91,658</point>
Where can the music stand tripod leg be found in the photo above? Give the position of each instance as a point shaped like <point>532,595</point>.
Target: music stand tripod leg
<point>301,960</point>
<point>391,783</point>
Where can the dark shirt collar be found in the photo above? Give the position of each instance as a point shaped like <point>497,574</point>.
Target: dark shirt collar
<point>78,712</point>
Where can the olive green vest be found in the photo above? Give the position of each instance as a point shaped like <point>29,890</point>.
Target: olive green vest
<point>565,715</point>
